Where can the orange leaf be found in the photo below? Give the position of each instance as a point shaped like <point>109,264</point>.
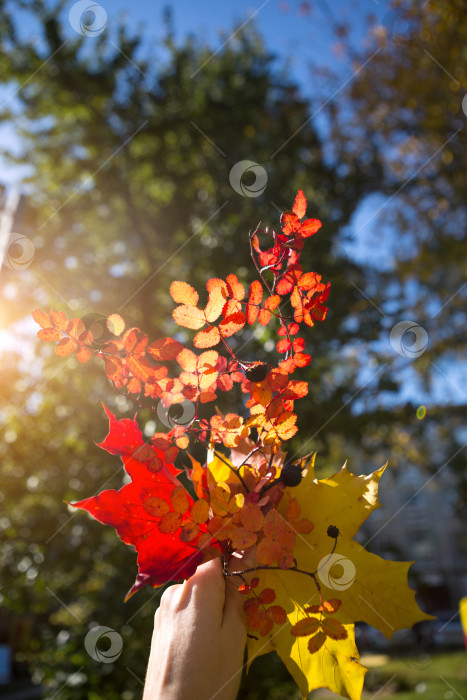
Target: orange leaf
<point>165,349</point>
<point>207,396</point>
<point>115,324</point>
<point>289,222</point>
<point>267,595</point>
<point>315,643</point>
<point>299,207</point>
<point>332,605</point>
<point>135,341</point>
<point>187,360</point>
<point>272,302</point>
<point>184,293</point>
<point>156,506</point>
<point>59,320</point>
<point>207,361</point>
<point>49,334</point>
<point>287,366</point>
<point>333,628</point>
<point>140,367</point>
<point>285,422</point>
<point>277,614</point>
<point>295,390</point>
<point>255,295</point>
<point>277,380</point>
<point>160,441</point>
<point>170,454</point>
<point>42,318</point>
<point>133,386</point>
<point>264,317</point>
<point>83,354</point>
<point>293,510</point>
<point>179,499</point>
<point>308,281</point>
<point>301,359</point>
<point>170,522</point>
<point>200,511</point>
<point>304,526</point>
<point>75,328</point>
<point>252,517</point>
<point>216,282</point>
<point>267,552</point>
<point>309,227</point>
<point>242,538</point>
<point>189,532</point>
<point>235,288</point>
<point>251,605</point>
<point>189,317</point>
<point>182,442</point>
<point>283,345</point>
<point>65,347</point>
<point>305,627</point>
<point>232,324</point>
<point>266,625</point>
<point>277,529</point>
<point>215,304</point>
<point>207,338</point>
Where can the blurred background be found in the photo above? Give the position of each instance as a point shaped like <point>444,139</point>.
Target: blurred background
<point>121,124</point>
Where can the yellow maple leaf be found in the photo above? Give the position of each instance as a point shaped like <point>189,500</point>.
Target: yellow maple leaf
<point>370,589</point>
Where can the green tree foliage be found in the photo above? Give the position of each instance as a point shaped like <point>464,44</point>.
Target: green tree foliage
<point>408,107</point>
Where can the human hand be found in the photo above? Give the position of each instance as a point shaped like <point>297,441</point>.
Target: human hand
<point>199,639</point>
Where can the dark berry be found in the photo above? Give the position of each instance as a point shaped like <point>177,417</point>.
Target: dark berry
<point>333,531</point>
<point>257,373</point>
<point>291,474</point>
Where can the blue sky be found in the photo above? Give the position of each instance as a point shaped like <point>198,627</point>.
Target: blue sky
<point>300,39</point>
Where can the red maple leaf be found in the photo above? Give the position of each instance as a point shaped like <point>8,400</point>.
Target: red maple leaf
<point>137,509</point>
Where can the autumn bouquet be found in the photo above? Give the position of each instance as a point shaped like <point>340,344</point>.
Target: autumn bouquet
<point>311,581</point>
